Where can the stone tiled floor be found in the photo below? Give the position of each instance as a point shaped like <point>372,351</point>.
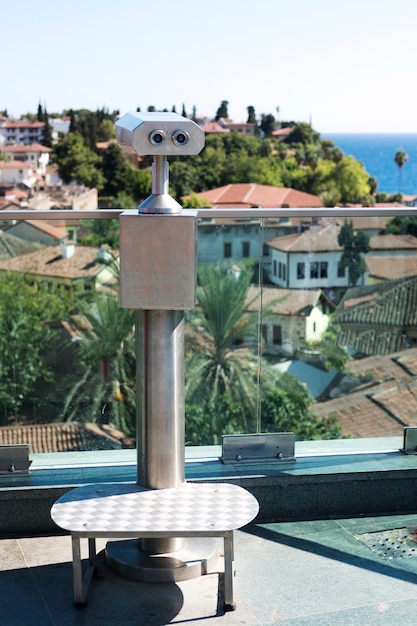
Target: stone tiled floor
<point>315,573</point>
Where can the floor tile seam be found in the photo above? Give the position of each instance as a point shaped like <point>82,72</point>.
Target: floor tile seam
<point>36,585</point>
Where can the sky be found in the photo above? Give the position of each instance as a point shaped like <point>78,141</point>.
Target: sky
<point>343,66</point>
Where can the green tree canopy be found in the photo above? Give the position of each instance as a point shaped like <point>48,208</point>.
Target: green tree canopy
<point>25,341</point>
<point>355,244</point>
<point>222,110</point>
<point>400,158</point>
<point>77,162</point>
<point>102,388</point>
<point>216,362</point>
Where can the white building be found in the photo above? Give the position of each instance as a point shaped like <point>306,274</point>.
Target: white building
<point>34,153</point>
<point>292,318</point>
<point>308,260</point>
<point>21,131</point>
<point>17,173</point>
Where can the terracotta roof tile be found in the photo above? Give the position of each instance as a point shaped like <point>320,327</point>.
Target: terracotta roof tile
<point>23,165</point>
<point>283,301</point>
<point>49,261</point>
<point>391,267</point>
<point>312,240</point>
<point>23,148</point>
<point>359,416</point>
<point>393,242</point>
<point>262,196</point>
<point>63,437</point>
<point>23,124</point>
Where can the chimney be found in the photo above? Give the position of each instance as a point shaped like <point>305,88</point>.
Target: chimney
<point>67,250</point>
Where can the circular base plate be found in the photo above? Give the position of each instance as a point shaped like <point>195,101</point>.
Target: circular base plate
<point>197,557</point>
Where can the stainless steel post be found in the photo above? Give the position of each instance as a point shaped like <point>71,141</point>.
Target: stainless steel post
<point>160,401</point>
<point>160,408</point>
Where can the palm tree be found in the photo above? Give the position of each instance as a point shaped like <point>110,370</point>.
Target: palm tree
<point>400,158</point>
<point>103,386</point>
<point>218,364</point>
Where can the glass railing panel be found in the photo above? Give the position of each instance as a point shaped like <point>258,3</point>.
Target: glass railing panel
<point>67,349</point>
<point>339,327</point>
<point>222,333</point>
<point>281,338</point>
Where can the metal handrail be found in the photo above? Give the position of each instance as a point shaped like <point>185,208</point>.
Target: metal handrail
<point>30,214</point>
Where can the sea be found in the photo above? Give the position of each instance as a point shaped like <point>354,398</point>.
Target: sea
<point>377,152</point>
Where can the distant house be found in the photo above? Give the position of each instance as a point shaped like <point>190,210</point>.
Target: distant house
<point>35,154</point>
<point>379,318</point>
<point>213,127</point>
<point>307,260</point>
<point>292,318</point>
<point>282,133</point>
<point>17,173</point>
<point>238,239</point>
<point>312,259</point>
<point>252,196</point>
<point>39,231</point>
<point>75,268</point>
<point>21,131</point>
<point>243,128</point>
<point>370,224</point>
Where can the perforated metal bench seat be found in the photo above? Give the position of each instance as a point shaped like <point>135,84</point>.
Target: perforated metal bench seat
<point>113,510</point>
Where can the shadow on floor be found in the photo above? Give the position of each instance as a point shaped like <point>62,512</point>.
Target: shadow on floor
<point>393,569</point>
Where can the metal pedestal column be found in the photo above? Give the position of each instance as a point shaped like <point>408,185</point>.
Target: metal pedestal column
<point>161,431</point>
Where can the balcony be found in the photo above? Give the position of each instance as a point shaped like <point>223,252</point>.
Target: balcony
<point>333,543</point>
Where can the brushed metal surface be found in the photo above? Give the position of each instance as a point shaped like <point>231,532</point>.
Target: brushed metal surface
<point>158,260</point>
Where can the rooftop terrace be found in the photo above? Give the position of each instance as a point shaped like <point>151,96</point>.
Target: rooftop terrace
<point>309,573</point>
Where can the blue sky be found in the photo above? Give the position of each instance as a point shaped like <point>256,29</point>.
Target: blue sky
<point>346,66</point>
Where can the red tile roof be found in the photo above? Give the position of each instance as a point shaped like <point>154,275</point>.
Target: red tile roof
<point>312,240</point>
<point>63,437</point>
<point>251,195</point>
<point>283,301</point>
<point>23,124</point>
<point>22,148</point>
<point>214,127</point>
<point>391,267</point>
<point>384,404</point>
<point>49,261</point>
<point>22,165</point>
<point>282,132</point>
<point>393,242</point>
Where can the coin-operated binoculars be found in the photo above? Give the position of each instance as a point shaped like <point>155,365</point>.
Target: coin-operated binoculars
<point>158,279</point>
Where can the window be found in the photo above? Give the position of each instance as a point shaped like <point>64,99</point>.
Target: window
<point>264,331</point>
<point>275,268</point>
<point>323,269</point>
<point>284,272</point>
<point>277,335</point>
<point>314,269</point>
<point>245,249</point>
<point>280,270</point>
<point>301,270</point>
<point>340,270</point>
<point>227,250</point>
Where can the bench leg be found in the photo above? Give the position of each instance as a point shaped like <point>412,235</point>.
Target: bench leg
<point>81,583</point>
<point>229,603</point>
